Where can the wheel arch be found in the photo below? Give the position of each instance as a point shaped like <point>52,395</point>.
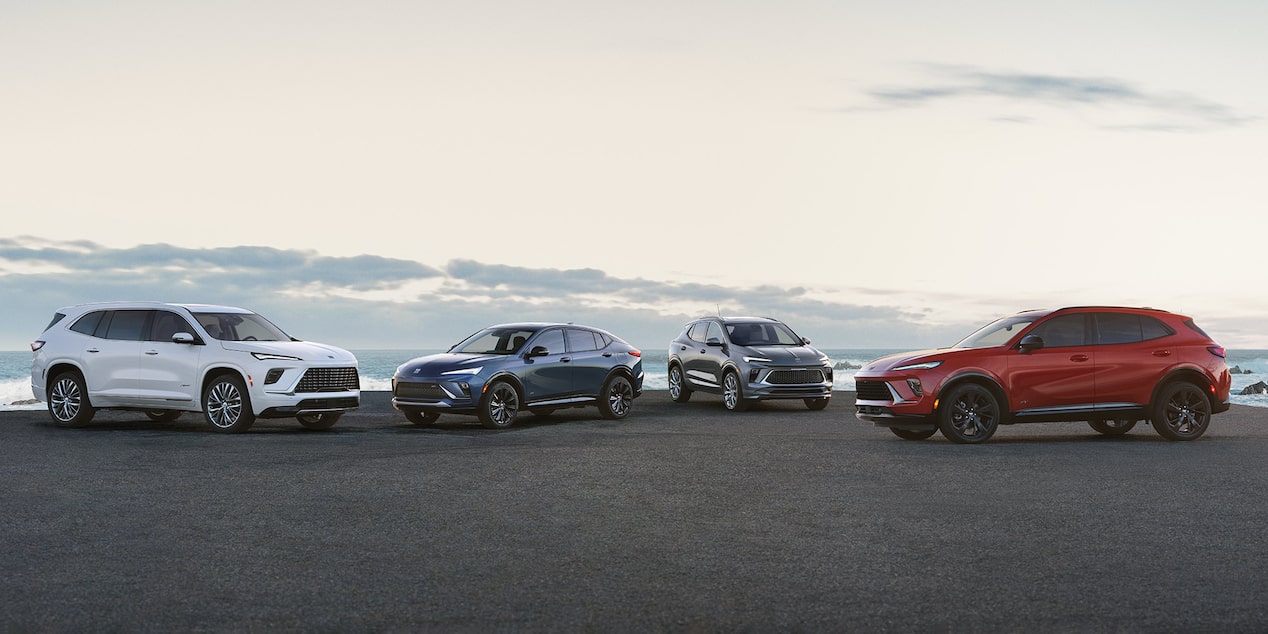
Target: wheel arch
<point>58,367</point>
<point>508,377</point>
<point>215,372</point>
<point>1185,375</point>
<point>981,379</point>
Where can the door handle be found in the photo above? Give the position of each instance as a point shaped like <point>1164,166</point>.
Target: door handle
<point>1162,353</point>
<point>565,359</point>
<point>151,352</point>
<point>1079,358</point>
<point>607,354</point>
<point>92,350</point>
<point>682,347</point>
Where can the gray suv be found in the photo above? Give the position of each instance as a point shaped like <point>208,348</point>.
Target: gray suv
<point>747,359</point>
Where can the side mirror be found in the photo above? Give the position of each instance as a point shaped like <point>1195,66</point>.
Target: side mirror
<point>182,337</point>
<point>805,341</point>
<point>1030,343</point>
<point>714,341</point>
<point>538,351</point>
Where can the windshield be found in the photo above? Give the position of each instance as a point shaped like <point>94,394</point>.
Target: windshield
<point>761,334</point>
<point>997,333</point>
<point>240,327</point>
<point>495,341</point>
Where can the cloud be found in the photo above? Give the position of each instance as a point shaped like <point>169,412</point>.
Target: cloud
<point>1143,109</point>
<point>416,306</point>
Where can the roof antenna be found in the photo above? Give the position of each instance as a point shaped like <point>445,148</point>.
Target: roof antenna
<point>719,307</point>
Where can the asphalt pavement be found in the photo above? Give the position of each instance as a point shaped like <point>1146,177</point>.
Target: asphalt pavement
<point>680,518</point>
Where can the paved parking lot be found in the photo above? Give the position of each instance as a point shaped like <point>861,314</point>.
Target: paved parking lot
<point>680,518</point>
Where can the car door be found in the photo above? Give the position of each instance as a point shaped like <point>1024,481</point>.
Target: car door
<point>112,357</point>
<point>1058,377</point>
<point>549,376</point>
<point>1131,357</point>
<point>168,370</point>
<point>703,363</point>
<point>589,364</point>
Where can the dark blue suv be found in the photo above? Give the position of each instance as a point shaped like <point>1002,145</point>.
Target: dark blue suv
<point>502,370</point>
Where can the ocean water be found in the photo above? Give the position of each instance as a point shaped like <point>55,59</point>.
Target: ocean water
<point>377,367</point>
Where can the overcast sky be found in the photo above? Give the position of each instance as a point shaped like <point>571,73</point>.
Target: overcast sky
<point>399,174</point>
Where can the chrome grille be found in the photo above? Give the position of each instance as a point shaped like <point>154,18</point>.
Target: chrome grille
<point>429,391</point>
<point>329,380</point>
<point>794,377</point>
<point>872,391</point>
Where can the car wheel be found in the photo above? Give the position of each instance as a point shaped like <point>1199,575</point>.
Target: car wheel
<point>324,420</point>
<point>68,401</point>
<point>163,415</point>
<point>913,434</point>
<point>678,390</point>
<point>817,404</point>
<point>616,398</point>
<point>733,393</point>
<point>1182,412</point>
<point>419,417</point>
<point>499,406</point>
<point>1112,426</point>
<point>969,414</point>
<point>227,406</point>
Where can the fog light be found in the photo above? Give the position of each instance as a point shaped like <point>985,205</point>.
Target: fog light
<point>752,376</point>
<point>914,384</point>
<point>465,387</point>
<point>273,376</point>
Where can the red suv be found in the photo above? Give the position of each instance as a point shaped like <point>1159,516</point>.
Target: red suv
<point>1108,366</point>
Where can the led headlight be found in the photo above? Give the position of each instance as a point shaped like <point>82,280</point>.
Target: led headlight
<point>475,370</point>
<point>927,365</point>
<point>752,359</point>
<point>266,356</point>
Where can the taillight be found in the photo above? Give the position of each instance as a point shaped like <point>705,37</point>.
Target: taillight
<point>635,353</point>
<point>36,345</point>
<point>1216,350</point>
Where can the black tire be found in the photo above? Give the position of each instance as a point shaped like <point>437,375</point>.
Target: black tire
<point>913,434</point>
<point>419,417</point>
<point>616,398</point>
<point>1112,426</point>
<point>733,393</point>
<point>678,390</point>
<point>68,402</point>
<point>227,406</point>
<point>970,414</point>
<point>163,415</point>
<point>323,420</point>
<point>816,404</point>
<point>1182,412</point>
<point>499,405</point>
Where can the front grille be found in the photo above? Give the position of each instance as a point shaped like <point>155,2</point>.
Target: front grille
<point>872,391</point>
<point>794,377</point>
<point>329,380</point>
<point>424,391</point>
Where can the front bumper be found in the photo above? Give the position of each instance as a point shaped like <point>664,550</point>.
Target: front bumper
<point>436,395</point>
<point>778,382</point>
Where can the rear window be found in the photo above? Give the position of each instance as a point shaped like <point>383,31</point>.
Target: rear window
<point>1152,328</point>
<point>1190,324</point>
<point>88,323</point>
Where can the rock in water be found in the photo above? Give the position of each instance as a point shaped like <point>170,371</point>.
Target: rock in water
<point>1258,388</point>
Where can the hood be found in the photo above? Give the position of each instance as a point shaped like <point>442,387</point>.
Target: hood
<point>306,350</point>
<point>884,364</point>
<point>434,364</point>
<point>786,355</point>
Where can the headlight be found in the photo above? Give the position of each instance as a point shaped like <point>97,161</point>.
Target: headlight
<point>752,359</point>
<point>927,365</point>
<point>475,370</point>
<point>265,356</point>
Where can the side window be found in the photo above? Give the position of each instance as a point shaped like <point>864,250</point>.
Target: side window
<point>714,332</point>
<point>1062,331</point>
<point>604,340</point>
<point>1117,328</point>
<point>167,324</point>
<point>128,325</point>
<point>696,333</point>
<point>1151,328</point>
<point>552,339</point>
<point>88,323</point>
<point>581,340</point>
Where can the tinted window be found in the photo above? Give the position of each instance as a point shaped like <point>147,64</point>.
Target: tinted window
<point>1061,331</point>
<point>88,323</point>
<point>56,318</point>
<point>167,324</point>
<point>495,341</point>
<point>1151,328</point>
<point>604,340</point>
<point>714,332</point>
<point>697,330</point>
<point>127,325</point>
<point>240,327</point>
<point>1117,328</point>
<point>581,340</point>
<point>552,339</point>
<point>762,334</point>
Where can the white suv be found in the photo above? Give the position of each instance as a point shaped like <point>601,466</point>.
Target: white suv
<point>163,359</point>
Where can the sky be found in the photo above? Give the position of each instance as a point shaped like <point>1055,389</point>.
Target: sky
<point>384,174</point>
